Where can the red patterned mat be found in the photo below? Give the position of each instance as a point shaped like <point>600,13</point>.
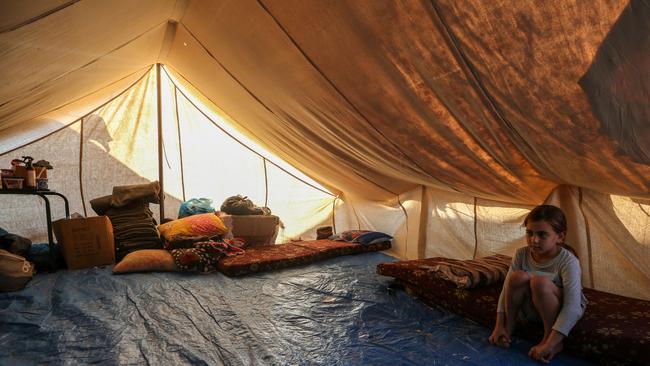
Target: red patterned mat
<point>271,257</point>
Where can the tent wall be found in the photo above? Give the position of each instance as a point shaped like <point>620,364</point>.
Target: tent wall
<point>611,234</point>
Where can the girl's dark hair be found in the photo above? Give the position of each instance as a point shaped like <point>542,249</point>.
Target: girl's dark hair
<point>551,214</point>
<point>554,216</point>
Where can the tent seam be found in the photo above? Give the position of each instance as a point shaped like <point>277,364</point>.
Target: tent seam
<point>81,156</point>
<point>161,205</point>
<point>266,184</point>
<point>474,79</point>
<point>38,17</point>
<point>423,224</point>
<point>406,224</point>
<point>180,144</point>
<point>334,213</point>
<point>588,233</point>
<point>475,229</point>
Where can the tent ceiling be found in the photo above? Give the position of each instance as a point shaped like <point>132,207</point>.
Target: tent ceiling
<point>75,51</point>
<point>374,97</point>
<point>17,13</point>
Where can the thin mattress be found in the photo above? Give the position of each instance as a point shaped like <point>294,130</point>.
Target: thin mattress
<point>271,257</point>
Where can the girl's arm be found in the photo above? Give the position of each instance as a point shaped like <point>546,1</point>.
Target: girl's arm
<point>516,265</point>
<point>500,334</point>
<point>571,296</point>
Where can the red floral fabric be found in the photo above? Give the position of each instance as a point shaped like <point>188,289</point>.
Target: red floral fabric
<point>203,256</point>
<point>614,329</point>
<point>271,257</point>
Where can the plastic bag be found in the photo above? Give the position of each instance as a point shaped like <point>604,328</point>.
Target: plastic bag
<point>195,206</point>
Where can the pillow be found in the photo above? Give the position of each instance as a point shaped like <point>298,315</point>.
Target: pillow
<point>372,237</point>
<point>207,224</point>
<point>470,273</point>
<point>365,237</point>
<point>146,260</point>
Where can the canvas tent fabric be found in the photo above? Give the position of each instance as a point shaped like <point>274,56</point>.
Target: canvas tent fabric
<point>439,122</point>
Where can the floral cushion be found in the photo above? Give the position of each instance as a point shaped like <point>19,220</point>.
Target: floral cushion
<point>266,258</point>
<point>270,257</point>
<point>614,329</point>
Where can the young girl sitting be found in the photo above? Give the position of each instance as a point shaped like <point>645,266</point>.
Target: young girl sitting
<point>542,284</point>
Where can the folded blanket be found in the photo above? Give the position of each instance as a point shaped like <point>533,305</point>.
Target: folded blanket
<point>470,273</point>
<point>101,204</point>
<point>127,196</point>
<point>122,195</point>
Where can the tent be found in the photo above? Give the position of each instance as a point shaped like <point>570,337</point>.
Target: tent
<point>439,122</point>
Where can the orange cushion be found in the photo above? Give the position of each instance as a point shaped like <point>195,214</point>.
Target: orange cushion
<point>146,260</point>
<point>207,224</point>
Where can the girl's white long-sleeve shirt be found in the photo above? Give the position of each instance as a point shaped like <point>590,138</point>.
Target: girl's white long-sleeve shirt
<point>564,271</point>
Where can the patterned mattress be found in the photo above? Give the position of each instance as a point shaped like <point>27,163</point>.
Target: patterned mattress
<point>614,329</point>
<point>266,258</point>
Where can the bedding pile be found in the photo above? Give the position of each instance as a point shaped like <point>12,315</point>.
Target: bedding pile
<point>134,226</point>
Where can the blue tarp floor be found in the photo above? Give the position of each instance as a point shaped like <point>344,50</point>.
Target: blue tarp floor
<point>336,312</point>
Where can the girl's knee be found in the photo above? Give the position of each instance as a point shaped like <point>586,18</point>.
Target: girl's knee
<point>518,278</point>
<point>541,284</point>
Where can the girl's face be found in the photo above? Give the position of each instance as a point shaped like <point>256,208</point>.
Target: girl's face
<point>543,240</point>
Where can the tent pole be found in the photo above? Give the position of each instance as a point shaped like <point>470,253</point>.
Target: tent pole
<point>160,146</point>
<point>423,224</point>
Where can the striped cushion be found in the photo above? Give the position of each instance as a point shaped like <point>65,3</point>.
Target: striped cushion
<point>469,273</point>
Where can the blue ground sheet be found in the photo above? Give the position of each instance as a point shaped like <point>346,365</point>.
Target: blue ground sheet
<point>336,312</point>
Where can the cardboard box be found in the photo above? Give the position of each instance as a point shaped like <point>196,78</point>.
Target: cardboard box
<point>86,242</point>
<point>256,230</point>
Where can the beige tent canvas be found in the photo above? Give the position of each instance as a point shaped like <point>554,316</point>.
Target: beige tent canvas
<point>439,122</point>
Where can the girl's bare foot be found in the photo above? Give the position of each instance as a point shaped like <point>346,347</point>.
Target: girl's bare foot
<point>545,353</point>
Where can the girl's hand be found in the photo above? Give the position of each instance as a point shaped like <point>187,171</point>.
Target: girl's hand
<point>500,337</point>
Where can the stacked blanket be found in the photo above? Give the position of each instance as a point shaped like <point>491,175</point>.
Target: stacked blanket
<point>134,227</point>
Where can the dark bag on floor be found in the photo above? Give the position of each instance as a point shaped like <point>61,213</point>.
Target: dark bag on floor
<point>15,271</point>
